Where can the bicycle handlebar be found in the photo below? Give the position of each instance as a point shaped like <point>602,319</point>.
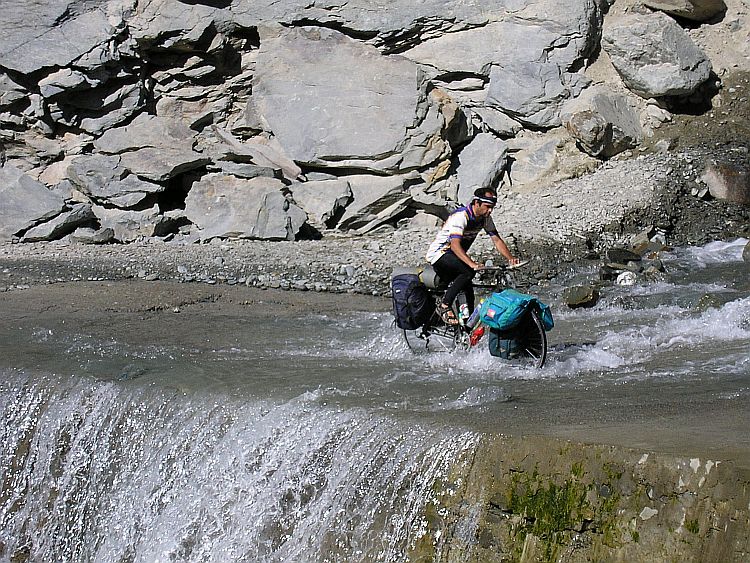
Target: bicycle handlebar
<point>502,268</point>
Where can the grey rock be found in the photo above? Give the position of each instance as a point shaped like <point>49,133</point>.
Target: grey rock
<point>244,170</point>
<point>25,202</point>
<point>386,215</point>
<point>696,10</point>
<point>533,92</point>
<point>263,152</point>
<point>580,296</point>
<point>730,182</point>
<point>127,225</point>
<point>322,200</point>
<point>482,164</point>
<point>622,255</point>
<point>10,91</point>
<point>61,225</point>
<point>67,80</point>
<point>40,35</point>
<point>654,56</point>
<point>372,195</point>
<point>746,253</point>
<point>231,207</point>
<point>86,235</point>
<point>356,104</point>
<point>97,110</point>
<point>152,147</point>
<point>560,32</point>
<point>105,180</point>
<point>497,122</point>
<point>535,157</point>
<point>602,122</point>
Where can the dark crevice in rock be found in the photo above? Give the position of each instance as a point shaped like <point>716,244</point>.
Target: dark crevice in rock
<point>349,32</point>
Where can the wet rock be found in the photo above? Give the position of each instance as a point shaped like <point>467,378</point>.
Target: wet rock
<point>654,56</point>
<point>746,253</point>
<point>580,296</point>
<point>621,255</point>
<point>730,182</point>
<point>626,278</point>
<point>25,202</point>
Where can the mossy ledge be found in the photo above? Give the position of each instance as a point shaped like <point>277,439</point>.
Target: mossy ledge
<point>535,499</point>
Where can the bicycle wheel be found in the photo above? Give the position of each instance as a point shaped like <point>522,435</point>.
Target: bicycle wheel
<point>532,339</point>
<point>440,338</point>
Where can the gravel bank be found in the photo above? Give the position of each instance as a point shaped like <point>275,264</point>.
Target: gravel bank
<point>552,226</point>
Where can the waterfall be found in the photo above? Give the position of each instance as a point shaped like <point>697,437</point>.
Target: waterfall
<point>125,471</point>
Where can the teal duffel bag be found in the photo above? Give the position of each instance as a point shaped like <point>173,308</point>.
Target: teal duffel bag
<point>504,310</point>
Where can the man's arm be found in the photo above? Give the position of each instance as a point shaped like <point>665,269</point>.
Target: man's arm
<point>459,251</point>
<point>502,248</point>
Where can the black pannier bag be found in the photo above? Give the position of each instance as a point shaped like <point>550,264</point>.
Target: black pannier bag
<point>504,343</point>
<point>412,303</point>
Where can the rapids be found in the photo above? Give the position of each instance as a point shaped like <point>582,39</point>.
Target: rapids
<point>321,438</point>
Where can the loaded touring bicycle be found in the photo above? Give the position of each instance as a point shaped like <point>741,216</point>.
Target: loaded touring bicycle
<point>512,324</point>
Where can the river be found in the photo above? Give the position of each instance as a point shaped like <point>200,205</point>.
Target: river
<point>319,437</point>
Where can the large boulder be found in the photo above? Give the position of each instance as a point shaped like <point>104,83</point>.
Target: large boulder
<point>372,195</point>
<point>696,10</point>
<point>730,182</point>
<point>65,223</point>
<point>105,180</point>
<point>603,122</point>
<point>533,92</point>
<point>654,56</point>
<point>128,225</point>
<point>24,202</point>
<point>154,148</point>
<point>230,207</point>
<point>322,200</point>
<point>563,32</point>
<point>55,33</point>
<point>333,101</point>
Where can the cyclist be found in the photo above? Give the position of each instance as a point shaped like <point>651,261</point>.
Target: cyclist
<point>448,252</point>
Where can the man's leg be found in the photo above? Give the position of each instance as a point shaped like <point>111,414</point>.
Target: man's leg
<point>451,268</point>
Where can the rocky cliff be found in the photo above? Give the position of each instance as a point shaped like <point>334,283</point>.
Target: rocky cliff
<point>123,119</point>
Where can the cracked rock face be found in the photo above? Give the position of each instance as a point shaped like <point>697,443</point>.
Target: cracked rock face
<point>135,108</point>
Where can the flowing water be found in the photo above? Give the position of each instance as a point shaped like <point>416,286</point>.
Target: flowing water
<point>320,439</point>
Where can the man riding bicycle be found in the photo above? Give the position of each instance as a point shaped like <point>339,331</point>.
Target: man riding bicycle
<point>448,252</point>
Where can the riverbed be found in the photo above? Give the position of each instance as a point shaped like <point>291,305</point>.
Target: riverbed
<point>166,421</point>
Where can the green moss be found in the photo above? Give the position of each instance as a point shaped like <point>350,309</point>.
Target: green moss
<point>692,526</point>
<point>549,511</point>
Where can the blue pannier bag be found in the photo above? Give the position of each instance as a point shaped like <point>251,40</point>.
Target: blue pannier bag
<point>412,303</point>
<point>504,310</point>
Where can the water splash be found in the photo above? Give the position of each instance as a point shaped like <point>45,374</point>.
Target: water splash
<point>103,471</point>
